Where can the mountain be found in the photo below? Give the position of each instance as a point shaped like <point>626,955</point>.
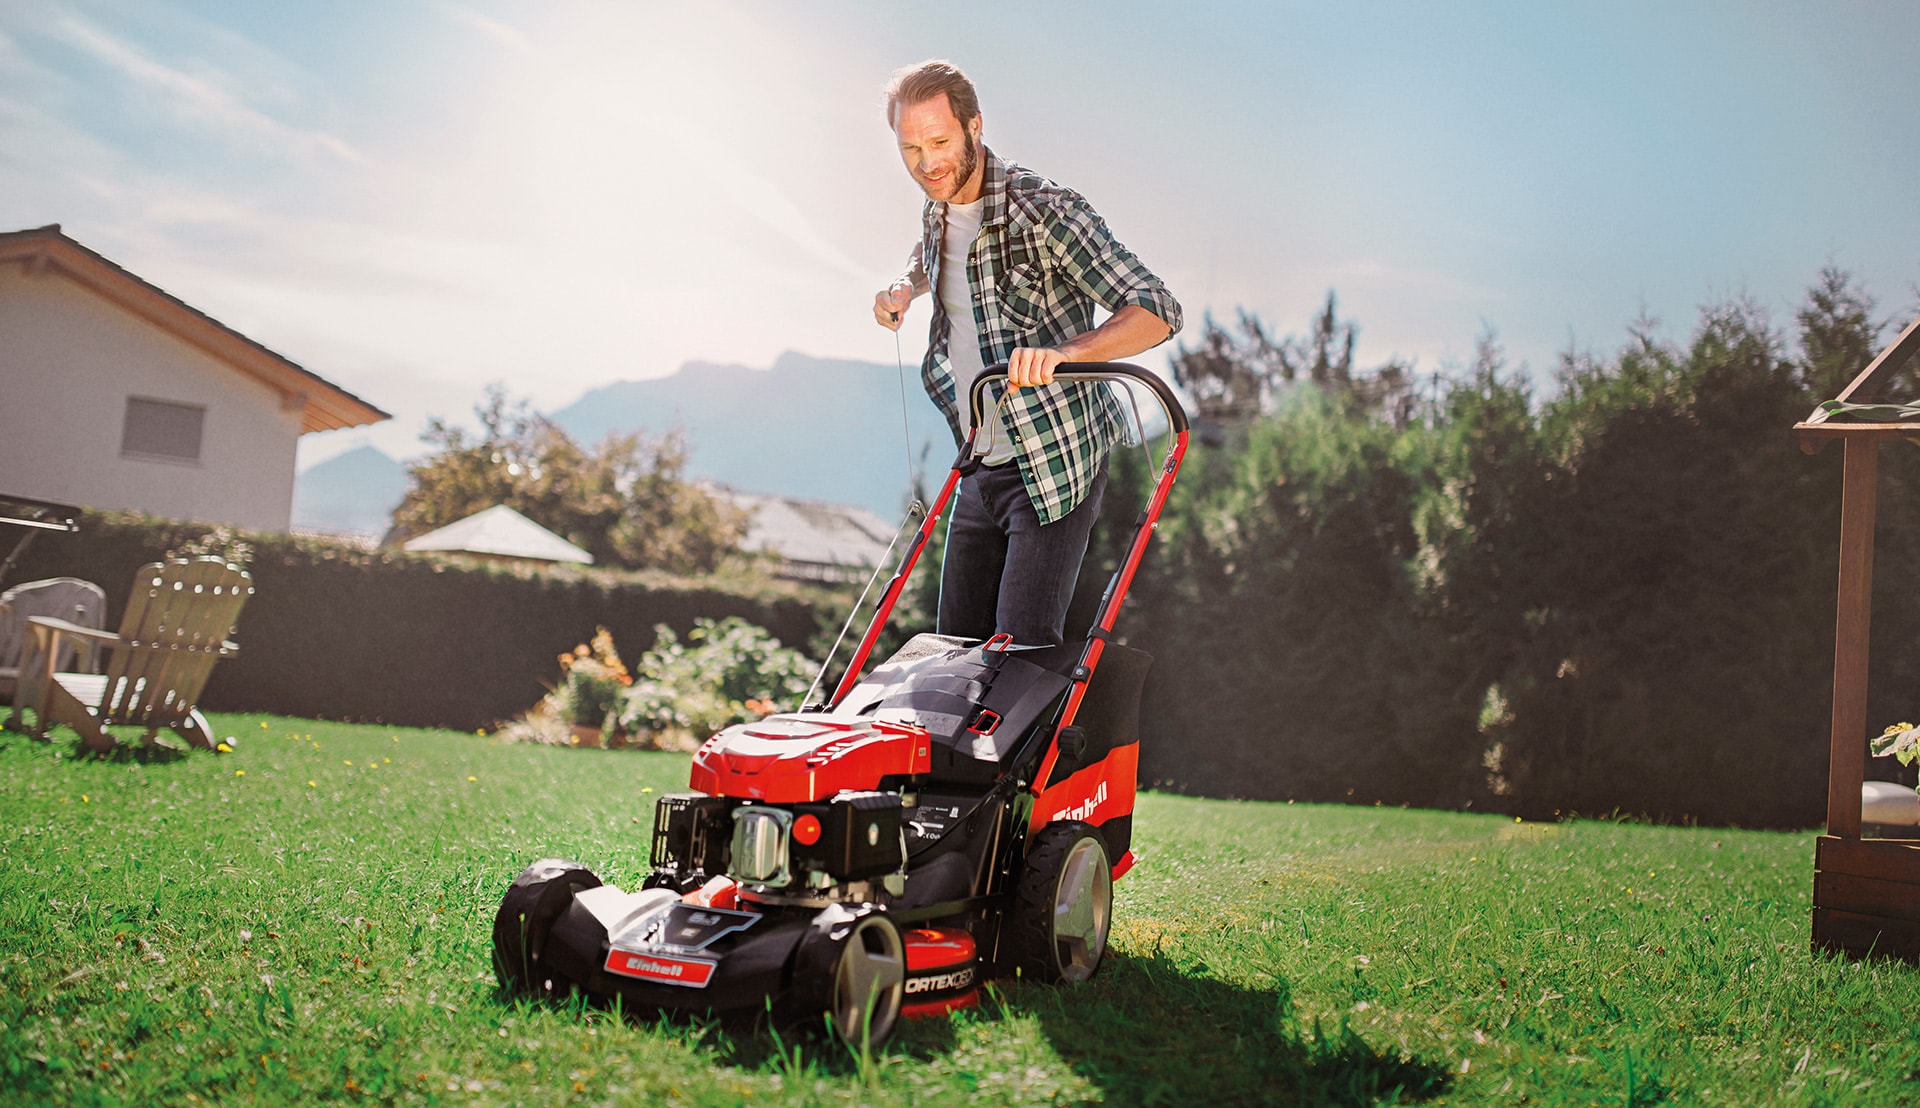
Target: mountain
<point>354,491</point>
<point>808,427</point>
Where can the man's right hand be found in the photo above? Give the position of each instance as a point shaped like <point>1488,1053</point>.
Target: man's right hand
<point>890,305</point>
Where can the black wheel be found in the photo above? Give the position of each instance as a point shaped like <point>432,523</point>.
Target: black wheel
<point>535,899</point>
<point>1064,904</point>
<point>852,965</point>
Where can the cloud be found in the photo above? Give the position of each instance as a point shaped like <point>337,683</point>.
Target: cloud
<point>761,198</point>
<point>501,33</point>
<point>1377,275</point>
<point>199,98</point>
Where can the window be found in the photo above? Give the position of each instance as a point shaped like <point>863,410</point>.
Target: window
<point>162,430</point>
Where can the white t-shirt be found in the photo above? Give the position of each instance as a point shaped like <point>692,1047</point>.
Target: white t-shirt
<point>963,333</point>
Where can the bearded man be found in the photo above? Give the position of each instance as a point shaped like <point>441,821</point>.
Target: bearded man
<point>1016,265</point>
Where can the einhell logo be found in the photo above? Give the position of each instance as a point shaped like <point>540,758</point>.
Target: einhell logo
<point>691,972</point>
<point>1084,811</point>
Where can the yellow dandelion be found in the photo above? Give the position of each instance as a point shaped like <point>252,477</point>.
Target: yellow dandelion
<point>83,798</point>
<point>263,725</point>
<point>239,773</point>
<point>396,738</point>
<point>389,761</point>
<point>344,762</point>
<point>648,789</point>
<point>480,731</point>
<point>224,748</point>
<point>473,779</point>
<point>311,785</point>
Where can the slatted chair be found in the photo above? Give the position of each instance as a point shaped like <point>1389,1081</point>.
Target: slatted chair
<point>178,620</point>
<point>68,598</point>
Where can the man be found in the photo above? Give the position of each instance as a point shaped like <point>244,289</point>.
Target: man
<point>1016,264</point>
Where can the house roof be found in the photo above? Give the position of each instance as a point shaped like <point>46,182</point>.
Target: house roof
<point>502,532</point>
<point>323,406</point>
<point>814,532</point>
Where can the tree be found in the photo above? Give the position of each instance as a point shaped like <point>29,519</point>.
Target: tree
<point>625,502</point>
<point>1229,378</point>
<point>1838,338</point>
<point>1234,378</point>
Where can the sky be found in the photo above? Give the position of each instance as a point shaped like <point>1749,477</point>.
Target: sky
<point>415,198</point>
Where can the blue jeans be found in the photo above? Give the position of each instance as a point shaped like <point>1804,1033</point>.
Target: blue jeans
<point>1005,573</point>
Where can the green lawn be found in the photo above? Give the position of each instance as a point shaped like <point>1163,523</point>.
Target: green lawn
<point>307,919</point>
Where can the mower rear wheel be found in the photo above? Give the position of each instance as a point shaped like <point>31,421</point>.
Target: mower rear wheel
<point>533,902</point>
<point>1064,904</point>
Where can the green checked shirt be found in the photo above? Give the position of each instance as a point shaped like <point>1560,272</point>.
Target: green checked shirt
<point>1043,259</point>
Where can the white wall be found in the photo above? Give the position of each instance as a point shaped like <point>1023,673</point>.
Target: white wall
<point>69,359</point>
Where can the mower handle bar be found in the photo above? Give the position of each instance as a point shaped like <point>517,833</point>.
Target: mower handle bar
<point>1089,371</point>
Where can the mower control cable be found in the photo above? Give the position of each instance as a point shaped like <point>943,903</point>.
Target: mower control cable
<point>916,510</point>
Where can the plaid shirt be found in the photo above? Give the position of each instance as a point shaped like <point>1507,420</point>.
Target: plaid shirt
<point>1043,259</point>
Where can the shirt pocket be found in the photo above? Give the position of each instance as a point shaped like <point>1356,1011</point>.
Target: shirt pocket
<point>1023,298</point>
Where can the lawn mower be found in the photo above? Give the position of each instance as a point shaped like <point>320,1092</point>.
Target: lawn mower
<point>960,811</point>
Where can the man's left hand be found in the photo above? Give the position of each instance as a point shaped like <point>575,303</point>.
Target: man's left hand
<point>1033,365</point>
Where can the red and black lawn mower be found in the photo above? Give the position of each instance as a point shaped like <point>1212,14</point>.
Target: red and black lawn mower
<point>961,811</point>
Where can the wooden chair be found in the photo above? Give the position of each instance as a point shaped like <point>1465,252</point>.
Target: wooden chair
<point>68,598</point>
<point>177,624</point>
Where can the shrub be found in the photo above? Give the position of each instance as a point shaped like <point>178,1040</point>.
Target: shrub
<point>592,677</point>
<point>334,632</point>
<point>727,672</point>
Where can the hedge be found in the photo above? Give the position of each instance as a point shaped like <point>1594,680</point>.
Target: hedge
<point>334,632</point>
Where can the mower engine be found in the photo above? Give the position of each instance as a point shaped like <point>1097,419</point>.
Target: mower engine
<point>787,810</point>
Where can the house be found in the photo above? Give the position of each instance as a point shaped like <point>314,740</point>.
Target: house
<point>501,534</point>
<point>116,394</point>
<point>812,540</point>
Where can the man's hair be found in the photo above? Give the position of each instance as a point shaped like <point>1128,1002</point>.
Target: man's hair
<point>916,84</point>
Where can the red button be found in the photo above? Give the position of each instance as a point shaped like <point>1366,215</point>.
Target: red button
<point>806,830</point>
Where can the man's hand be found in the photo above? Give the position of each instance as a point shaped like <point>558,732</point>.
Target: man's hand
<point>890,305</point>
<point>1033,365</point>
<point>1129,331</point>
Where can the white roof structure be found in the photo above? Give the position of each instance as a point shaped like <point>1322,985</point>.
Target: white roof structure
<point>814,539</point>
<point>501,532</point>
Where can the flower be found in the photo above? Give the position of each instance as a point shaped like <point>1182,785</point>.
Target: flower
<point>1900,741</point>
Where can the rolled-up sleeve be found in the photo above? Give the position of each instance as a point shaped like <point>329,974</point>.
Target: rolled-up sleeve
<point>1100,266</point>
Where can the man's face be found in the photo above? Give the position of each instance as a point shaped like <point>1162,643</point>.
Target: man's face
<point>942,156</point>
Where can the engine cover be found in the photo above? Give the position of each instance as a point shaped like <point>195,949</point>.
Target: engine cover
<point>793,757</point>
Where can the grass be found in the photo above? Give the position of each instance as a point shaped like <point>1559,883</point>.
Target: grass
<point>307,920</point>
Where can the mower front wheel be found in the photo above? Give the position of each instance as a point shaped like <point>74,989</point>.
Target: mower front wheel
<point>533,902</point>
<point>852,965</point>
<point>1064,904</point>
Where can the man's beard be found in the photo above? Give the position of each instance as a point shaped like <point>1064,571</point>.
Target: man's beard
<point>969,161</point>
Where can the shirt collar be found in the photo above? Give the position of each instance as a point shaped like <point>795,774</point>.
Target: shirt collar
<point>993,189</point>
